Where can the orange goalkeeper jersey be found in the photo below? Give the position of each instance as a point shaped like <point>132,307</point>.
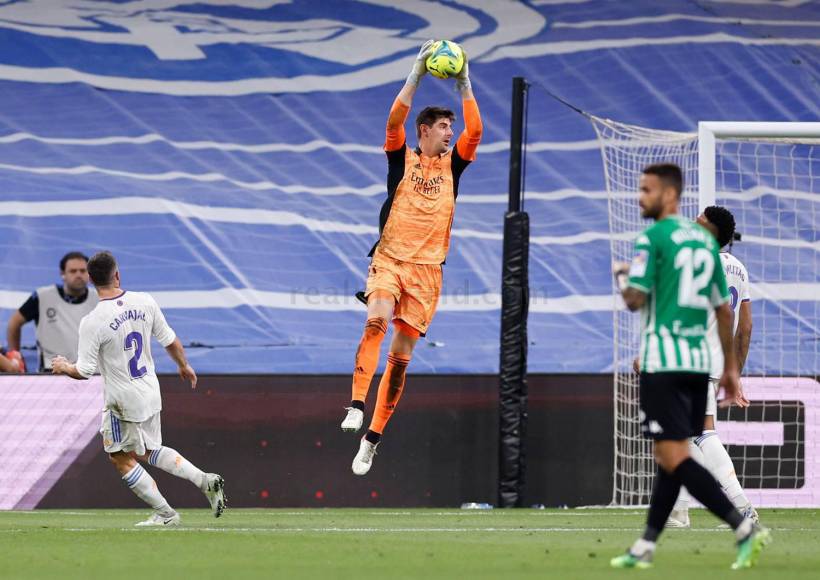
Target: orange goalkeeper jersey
<point>417,216</point>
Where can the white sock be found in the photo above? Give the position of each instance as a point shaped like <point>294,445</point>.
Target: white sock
<point>744,529</point>
<point>682,503</point>
<point>170,460</point>
<point>641,546</point>
<point>721,466</point>
<point>144,486</point>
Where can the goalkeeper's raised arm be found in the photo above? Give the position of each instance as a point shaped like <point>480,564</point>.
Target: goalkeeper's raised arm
<point>395,135</point>
<point>469,139</point>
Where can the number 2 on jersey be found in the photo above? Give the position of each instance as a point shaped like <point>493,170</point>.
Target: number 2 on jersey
<point>134,340</point>
<point>690,286</point>
<point>733,294</point>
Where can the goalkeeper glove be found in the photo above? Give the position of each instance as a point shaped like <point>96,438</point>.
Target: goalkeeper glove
<point>420,65</point>
<point>463,78</point>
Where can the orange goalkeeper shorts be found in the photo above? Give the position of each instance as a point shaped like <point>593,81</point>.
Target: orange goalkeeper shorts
<point>415,287</point>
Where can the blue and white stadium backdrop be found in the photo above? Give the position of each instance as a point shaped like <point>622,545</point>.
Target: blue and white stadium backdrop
<point>230,156</point>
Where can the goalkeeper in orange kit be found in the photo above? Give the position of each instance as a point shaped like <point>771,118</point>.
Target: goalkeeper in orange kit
<point>404,279</point>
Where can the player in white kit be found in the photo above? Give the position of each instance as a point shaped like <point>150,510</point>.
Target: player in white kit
<point>707,449</point>
<point>115,338</point>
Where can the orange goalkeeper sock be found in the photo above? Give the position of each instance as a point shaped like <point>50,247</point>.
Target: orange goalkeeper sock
<point>390,389</point>
<point>367,359</point>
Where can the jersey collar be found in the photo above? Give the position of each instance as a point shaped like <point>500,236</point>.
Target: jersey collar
<point>113,297</point>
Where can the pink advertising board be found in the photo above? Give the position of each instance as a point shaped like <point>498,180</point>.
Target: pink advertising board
<point>779,438</point>
<point>45,422</point>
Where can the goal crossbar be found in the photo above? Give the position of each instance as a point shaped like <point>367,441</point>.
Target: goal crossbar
<point>710,131</point>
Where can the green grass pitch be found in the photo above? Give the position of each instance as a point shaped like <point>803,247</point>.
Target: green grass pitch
<point>386,545</point>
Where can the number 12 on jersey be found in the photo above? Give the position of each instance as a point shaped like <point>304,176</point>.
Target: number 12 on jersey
<point>690,287</point>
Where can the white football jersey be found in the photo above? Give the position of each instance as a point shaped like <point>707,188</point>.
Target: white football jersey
<point>116,337</point>
<point>737,281</point>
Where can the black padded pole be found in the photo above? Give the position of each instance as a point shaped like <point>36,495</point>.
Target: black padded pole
<point>519,90</point>
<point>514,308</point>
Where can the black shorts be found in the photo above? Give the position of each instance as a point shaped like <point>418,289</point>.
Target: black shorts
<point>673,405</point>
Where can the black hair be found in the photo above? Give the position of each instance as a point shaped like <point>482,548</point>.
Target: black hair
<point>668,173</point>
<point>429,116</point>
<point>723,220</point>
<point>72,256</point>
<point>101,268</point>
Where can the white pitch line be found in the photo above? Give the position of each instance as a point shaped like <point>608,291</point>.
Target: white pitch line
<point>357,530</point>
<point>321,512</point>
<point>49,513</point>
<point>479,513</point>
<point>369,530</point>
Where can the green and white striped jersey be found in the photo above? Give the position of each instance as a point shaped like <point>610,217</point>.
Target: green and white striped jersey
<point>676,264</point>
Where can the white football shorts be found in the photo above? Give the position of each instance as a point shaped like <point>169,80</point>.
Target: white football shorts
<point>119,435</point>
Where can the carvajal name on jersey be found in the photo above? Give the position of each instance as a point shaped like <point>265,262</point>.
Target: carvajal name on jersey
<point>125,316</point>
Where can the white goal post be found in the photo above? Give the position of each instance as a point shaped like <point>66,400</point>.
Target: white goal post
<point>768,175</point>
<point>710,131</point>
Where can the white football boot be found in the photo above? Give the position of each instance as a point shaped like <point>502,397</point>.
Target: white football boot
<point>215,492</point>
<point>353,420</point>
<point>679,519</point>
<point>748,512</point>
<point>364,458</point>
<point>159,521</point>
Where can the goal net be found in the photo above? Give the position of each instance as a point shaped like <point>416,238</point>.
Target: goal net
<point>768,175</point>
